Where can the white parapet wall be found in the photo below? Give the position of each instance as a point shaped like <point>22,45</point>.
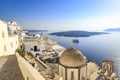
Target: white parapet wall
<point>28,72</point>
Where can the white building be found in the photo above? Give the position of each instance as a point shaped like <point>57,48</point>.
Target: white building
<point>72,65</point>
<point>9,42</point>
<point>41,44</point>
<point>14,27</point>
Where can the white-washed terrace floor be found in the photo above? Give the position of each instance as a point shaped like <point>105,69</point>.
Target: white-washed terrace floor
<point>9,69</point>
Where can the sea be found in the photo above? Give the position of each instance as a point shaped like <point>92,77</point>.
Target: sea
<point>96,48</point>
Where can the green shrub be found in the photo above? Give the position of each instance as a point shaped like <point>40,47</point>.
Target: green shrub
<point>20,51</point>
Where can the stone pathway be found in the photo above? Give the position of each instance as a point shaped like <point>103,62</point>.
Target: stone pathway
<point>9,69</point>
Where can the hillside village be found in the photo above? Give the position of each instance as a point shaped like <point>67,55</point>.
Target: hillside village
<point>37,57</point>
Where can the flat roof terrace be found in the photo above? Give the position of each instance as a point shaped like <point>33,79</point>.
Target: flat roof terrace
<point>9,69</point>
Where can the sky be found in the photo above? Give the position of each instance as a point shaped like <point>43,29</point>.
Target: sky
<point>62,14</point>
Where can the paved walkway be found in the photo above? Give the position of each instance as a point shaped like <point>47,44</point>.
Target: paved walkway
<point>9,69</point>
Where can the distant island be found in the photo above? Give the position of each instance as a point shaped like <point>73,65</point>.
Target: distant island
<point>76,33</point>
<point>113,29</point>
<point>35,30</point>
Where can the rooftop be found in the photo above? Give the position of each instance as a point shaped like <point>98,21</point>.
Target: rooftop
<point>72,58</point>
<point>31,42</point>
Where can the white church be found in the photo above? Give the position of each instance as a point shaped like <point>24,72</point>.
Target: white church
<point>74,66</point>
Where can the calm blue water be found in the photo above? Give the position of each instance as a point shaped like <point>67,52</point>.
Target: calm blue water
<point>95,48</point>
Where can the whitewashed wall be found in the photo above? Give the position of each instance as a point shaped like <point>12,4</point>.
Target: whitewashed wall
<point>29,46</point>
<point>62,71</point>
<point>83,72</point>
<point>27,70</point>
<point>8,43</point>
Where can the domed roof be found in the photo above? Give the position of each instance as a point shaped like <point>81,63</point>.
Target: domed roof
<point>72,58</point>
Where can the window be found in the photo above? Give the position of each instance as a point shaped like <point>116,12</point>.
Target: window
<point>72,75</point>
<point>5,48</point>
<point>3,35</point>
<point>11,44</point>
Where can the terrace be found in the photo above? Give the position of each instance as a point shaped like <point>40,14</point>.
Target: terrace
<point>9,69</point>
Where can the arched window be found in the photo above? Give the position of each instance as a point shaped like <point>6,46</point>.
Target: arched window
<point>72,75</point>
